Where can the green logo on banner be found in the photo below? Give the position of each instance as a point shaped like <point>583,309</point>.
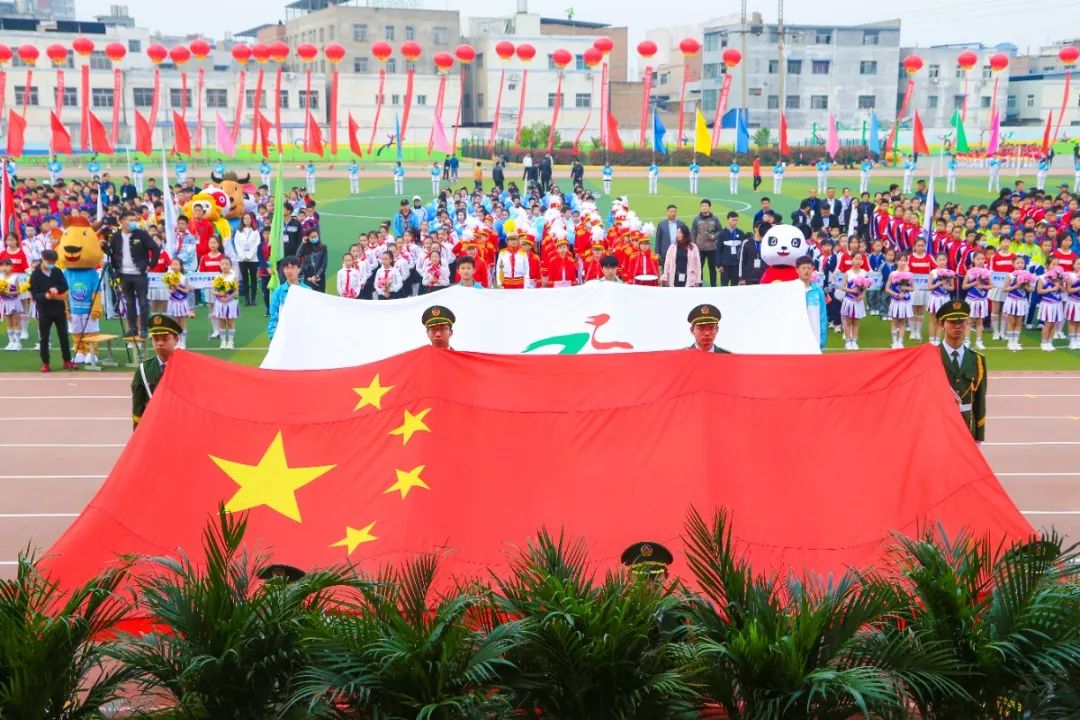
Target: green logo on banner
<point>573,343</point>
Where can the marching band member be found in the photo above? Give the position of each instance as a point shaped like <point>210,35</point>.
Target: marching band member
<point>562,268</point>
<point>512,266</point>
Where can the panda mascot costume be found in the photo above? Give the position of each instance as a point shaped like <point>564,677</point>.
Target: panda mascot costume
<point>781,247</point>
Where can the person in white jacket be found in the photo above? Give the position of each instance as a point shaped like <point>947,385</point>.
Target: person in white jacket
<point>247,254</point>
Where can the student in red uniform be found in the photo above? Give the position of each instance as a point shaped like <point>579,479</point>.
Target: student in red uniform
<point>642,263</point>
<point>211,263</point>
<point>561,270</point>
<point>920,263</point>
<point>1001,262</point>
<point>1065,253</point>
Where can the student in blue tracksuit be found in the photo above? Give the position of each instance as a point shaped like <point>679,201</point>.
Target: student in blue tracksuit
<point>290,268</point>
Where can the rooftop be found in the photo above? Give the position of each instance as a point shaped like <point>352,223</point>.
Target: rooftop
<point>574,23</point>
<point>24,24</point>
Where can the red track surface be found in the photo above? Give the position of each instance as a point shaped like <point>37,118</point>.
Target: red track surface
<point>63,432</point>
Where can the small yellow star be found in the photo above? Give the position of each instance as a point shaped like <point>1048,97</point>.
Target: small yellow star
<point>271,482</point>
<point>412,424</point>
<point>406,481</point>
<point>372,394</point>
<point>354,538</point>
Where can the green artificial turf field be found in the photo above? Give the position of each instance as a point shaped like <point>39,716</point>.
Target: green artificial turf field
<point>343,217</point>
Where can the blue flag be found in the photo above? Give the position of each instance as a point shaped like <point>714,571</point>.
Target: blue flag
<point>875,128</point>
<point>742,132</point>
<point>397,136</point>
<point>658,131</point>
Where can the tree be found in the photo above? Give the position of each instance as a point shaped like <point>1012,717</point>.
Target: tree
<point>762,138</point>
<point>536,136</point>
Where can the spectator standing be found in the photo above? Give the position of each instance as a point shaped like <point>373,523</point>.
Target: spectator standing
<point>313,262</point>
<point>577,173</point>
<point>49,289</point>
<point>133,252</point>
<point>290,268</point>
<point>667,230</point>
<point>704,230</point>
<point>682,265</point>
<point>247,253</point>
<point>498,177</point>
<point>751,266</point>
<point>545,173</point>
<point>728,244</point>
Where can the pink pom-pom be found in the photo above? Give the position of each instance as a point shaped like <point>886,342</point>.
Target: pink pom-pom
<point>902,276</point>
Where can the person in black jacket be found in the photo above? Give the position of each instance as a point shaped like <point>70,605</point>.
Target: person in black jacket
<point>133,252</point>
<point>313,259</point>
<point>751,266</point>
<point>728,244</point>
<point>49,289</point>
<point>498,177</point>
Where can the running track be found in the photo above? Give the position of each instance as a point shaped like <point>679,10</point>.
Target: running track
<point>78,423</point>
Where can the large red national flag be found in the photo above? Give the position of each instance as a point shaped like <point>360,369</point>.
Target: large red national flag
<point>390,459</point>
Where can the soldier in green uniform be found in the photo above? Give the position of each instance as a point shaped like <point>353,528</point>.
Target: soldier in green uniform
<point>965,368</point>
<point>439,322</point>
<point>164,333</point>
<point>704,322</point>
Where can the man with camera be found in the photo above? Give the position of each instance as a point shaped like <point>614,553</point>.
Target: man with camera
<point>132,252</point>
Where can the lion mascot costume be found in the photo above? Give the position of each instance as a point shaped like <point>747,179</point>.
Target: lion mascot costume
<point>80,257</point>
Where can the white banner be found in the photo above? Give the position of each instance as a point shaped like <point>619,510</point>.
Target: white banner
<point>326,331</point>
<point>195,280</point>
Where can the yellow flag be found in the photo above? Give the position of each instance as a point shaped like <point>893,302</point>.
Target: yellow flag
<point>702,137</point>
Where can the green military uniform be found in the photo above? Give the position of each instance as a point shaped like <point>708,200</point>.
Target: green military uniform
<point>968,381</point>
<point>706,315</point>
<point>151,370</point>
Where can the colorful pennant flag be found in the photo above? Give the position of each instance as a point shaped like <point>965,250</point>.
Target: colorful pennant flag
<point>658,132</point>
<point>99,137</point>
<point>960,144</point>
<point>702,137</point>
<point>918,137</point>
<point>832,141</point>
<point>224,142</point>
<point>61,138</point>
<point>615,143</point>
<point>784,149</point>
<point>144,138</point>
<point>354,141</point>
<point>181,136</point>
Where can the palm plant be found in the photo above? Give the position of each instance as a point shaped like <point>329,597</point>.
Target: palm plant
<point>1009,616</point>
<point>799,649</point>
<point>52,666</point>
<point>605,651</point>
<point>407,653</point>
<point>233,642</point>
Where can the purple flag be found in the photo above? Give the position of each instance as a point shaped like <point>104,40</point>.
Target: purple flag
<point>225,143</point>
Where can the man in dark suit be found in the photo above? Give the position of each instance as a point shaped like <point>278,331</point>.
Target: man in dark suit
<point>836,207</point>
<point>728,244</point>
<point>666,230</point>
<point>133,252</point>
<point>825,220</point>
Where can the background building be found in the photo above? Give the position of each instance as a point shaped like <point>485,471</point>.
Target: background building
<point>1034,96</point>
<point>939,86</point>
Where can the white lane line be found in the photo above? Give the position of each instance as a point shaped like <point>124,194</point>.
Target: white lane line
<point>1034,417</point>
<point>61,445</point>
<point>1031,396</point>
<point>1040,474</point>
<point>126,418</point>
<point>1050,512</point>
<point>1034,377</point>
<point>35,516</point>
<point>1037,442</point>
<point>65,397</point>
<point>53,477</point>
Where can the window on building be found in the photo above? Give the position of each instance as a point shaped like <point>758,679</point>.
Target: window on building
<point>984,101</point>
<point>101,97</point>
<point>389,32</point>
<point>820,67</point>
<point>710,70</point>
<point>421,99</point>
<point>774,67</point>
<point>823,37</point>
<point>395,99</point>
<point>867,102</point>
<point>583,100</point>
<point>772,102</point>
<point>441,35</point>
<point>217,98</point>
<point>134,45</point>
<point>712,42</point>
<point>932,101</point>
<point>143,97</point>
<point>391,66</point>
<point>283,100</point>
<point>249,98</point>
<point>794,67</point>
<point>933,71</point>
<point>1011,102</point>
<point>321,36</point>
<point>71,97</point>
<point>314,99</point>
<point>987,72</point>
<point>819,102</point>
<point>755,92</point>
<point>791,102</point>
<point>664,77</point>
<point>176,99</point>
<point>958,102</point>
<point>410,66</point>
<point>331,32</point>
<point>870,37</point>
<point>551,100</point>
<point>20,95</point>
<point>359,65</point>
<point>551,62</point>
<point>379,98</point>
<point>410,32</point>
<point>100,61</point>
<point>708,99</point>
<point>579,62</point>
<point>959,72</point>
<point>1031,101</point>
<point>479,100</point>
<point>868,67</point>
<point>466,102</point>
<point>359,32</point>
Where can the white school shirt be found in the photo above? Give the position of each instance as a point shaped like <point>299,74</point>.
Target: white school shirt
<point>349,282</point>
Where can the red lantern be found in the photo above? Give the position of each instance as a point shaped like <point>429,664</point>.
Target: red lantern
<point>116,51</point>
<point>604,44</point>
<point>443,61</point>
<point>967,60</point>
<point>179,55</point>
<point>999,62</point>
<point>912,64</point>
<point>504,49</point>
<point>261,53</point>
<point>5,54</point>
<point>381,51</point>
<point>82,46</point>
<point>525,52</point>
<point>200,49</point>
<point>731,57</point>
<point>689,46</point>
<point>279,51</point>
<point>241,54</point>
<point>307,52</point>
<point>646,48</point>
<point>592,57</point>
<point>156,53</point>
<point>57,53</point>
<point>562,58</point>
<point>1069,54</point>
<point>410,50</point>
<point>29,54</point>
<point>465,53</point>
<point>334,52</point>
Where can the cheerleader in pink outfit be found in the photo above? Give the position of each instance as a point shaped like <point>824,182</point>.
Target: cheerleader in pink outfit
<point>977,286</point>
<point>1017,301</point>
<point>1050,287</point>
<point>226,305</point>
<point>178,307</point>
<point>10,304</point>
<point>942,285</point>
<point>901,286</point>
<point>853,308</point>
<point>1072,305</point>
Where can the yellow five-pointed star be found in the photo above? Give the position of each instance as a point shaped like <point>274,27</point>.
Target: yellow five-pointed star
<point>271,482</point>
<point>406,481</point>
<point>354,538</point>
<point>372,394</point>
<point>412,424</point>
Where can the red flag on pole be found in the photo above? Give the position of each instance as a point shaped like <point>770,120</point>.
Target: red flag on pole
<point>784,149</point>
<point>354,141</point>
<point>99,137</point>
<point>61,138</point>
<point>313,136</point>
<point>264,125</point>
<point>614,141</point>
<point>181,136</point>
<point>1046,133</point>
<point>918,137</point>
<point>144,139</point>
<point>16,134</point>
